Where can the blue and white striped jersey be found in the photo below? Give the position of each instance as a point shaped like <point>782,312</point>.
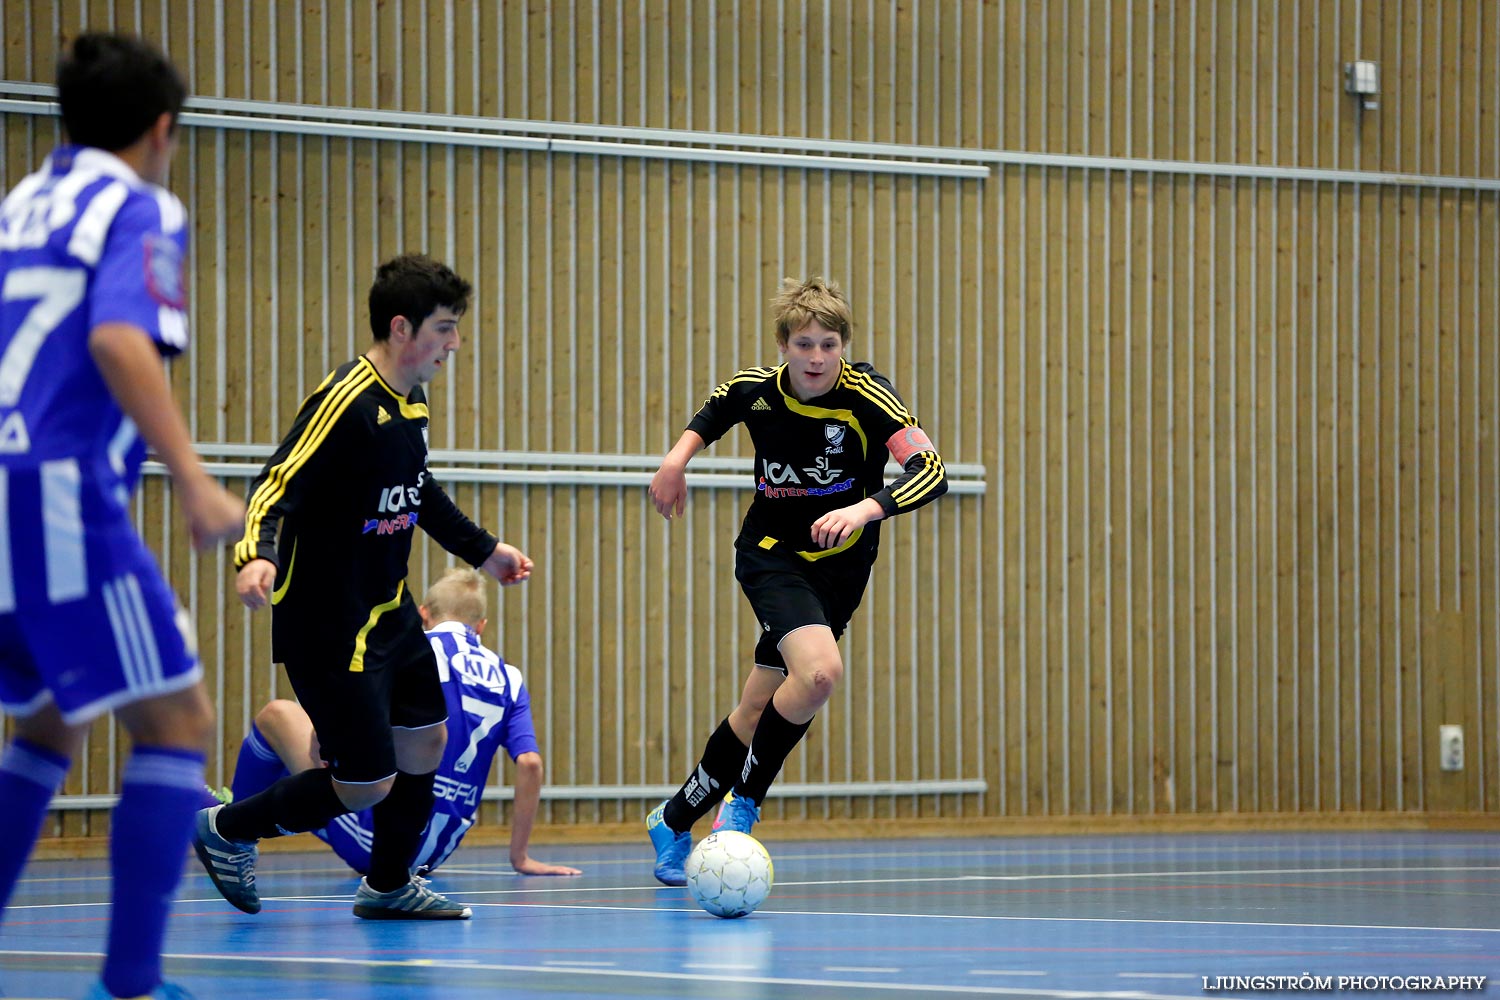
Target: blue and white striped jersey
<point>83,241</point>
<point>488,708</point>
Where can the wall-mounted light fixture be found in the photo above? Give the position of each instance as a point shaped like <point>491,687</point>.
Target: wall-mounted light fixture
<point>1360,80</point>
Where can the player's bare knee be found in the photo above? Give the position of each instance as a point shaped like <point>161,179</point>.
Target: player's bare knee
<point>822,683</point>
<point>420,750</point>
<point>47,730</point>
<point>182,719</point>
<point>363,796</point>
<point>824,677</point>
<point>276,712</point>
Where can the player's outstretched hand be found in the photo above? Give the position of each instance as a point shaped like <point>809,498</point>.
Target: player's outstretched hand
<point>254,582</point>
<point>213,513</point>
<point>531,866</point>
<point>507,564</point>
<point>669,490</point>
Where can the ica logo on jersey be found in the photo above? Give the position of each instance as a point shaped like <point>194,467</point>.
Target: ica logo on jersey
<point>393,501</point>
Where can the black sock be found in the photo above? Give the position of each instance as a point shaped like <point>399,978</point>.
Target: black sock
<point>399,820</point>
<point>774,738</point>
<point>295,804</point>
<point>723,758</point>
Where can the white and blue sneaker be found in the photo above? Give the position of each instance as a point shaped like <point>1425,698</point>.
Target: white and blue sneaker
<point>230,863</point>
<point>737,813</point>
<point>672,848</point>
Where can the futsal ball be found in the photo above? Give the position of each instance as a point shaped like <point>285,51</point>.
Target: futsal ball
<point>729,873</point>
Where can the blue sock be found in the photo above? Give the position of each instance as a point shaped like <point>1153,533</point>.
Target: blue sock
<point>161,790</point>
<point>257,768</point>
<point>29,776</point>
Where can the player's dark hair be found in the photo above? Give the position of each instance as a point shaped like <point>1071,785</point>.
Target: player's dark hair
<point>112,88</point>
<point>414,286</point>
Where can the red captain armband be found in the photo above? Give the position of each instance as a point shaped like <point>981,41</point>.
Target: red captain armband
<point>908,441</point>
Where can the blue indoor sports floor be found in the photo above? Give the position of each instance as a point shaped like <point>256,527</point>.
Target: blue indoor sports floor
<point>1118,916</point>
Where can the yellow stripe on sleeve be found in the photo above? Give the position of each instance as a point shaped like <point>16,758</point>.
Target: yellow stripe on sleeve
<point>318,427</point>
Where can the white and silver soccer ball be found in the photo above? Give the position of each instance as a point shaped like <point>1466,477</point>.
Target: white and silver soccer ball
<point>729,873</point>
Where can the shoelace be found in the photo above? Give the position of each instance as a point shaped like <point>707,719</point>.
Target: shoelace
<point>241,862</point>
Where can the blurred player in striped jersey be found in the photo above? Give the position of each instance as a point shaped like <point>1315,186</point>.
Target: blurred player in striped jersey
<point>488,708</point>
<point>91,299</point>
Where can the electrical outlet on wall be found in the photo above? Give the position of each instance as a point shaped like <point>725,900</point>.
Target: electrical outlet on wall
<point>1451,747</point>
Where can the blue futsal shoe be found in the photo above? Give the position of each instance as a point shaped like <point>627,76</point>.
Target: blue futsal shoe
<point>671,847</point>
<point>737,813</point>
<point>163,991</point>
<point>230,863</point>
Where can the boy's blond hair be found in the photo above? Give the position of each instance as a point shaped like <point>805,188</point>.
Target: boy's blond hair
<point>815,300</point>
<point>457,596</point>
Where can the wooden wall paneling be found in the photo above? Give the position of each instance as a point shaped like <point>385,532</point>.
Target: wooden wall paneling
<point>1041,599</point>
<point>1345,721</point>
<point>937,301</point>
<point>1091,492</point>
<point>1242,717</point>
<point>969,560</point>
<point>902,670</point>
<point>16,47</point>
<point>1328,398</point>
<point>1470,388</point>
<point>1114,384</point>
<point>1205,442</point>
<point>1372,458</point>
<point>1487,376</point>
<point>1410,720</point>
<point>1295,592</point>
<point>1394,392</point>
<point>1278,539</point>
<point>1184,452</point>
<point>1160,521</point>
<point>867,736</point>
<point>1220,298</point>
<point>1429,504</point>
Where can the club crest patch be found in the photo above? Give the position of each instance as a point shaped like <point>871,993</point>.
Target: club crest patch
<point>164,278</point>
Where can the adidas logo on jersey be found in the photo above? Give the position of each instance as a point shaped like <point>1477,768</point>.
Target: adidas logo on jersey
<point>760,404</point>
<point>380,415</point>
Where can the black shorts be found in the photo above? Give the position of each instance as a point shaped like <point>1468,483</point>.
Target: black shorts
<point>787,593</point>
<point>354,711</point>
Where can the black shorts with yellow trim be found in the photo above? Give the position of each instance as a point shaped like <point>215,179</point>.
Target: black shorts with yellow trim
<point>788,592</point>
<point>355,704</point>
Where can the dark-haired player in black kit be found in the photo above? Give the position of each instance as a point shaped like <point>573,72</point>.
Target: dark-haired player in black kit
<point>823,429</point>
<point>348,487</point>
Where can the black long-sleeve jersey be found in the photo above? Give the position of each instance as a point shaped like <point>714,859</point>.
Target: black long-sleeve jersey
<point>826,453</point>
<point>348,486</point>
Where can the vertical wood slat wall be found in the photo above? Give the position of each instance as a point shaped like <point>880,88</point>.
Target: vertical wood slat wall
<point>1241,543</point>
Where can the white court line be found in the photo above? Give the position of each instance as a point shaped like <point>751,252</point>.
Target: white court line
<point>847,913</point>
<point>723,966</point>
<point>572,964</point>
<point>1205,873</point>
<point>631,974</point>
<point>1038,877</point>
<point>1341,849</point>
